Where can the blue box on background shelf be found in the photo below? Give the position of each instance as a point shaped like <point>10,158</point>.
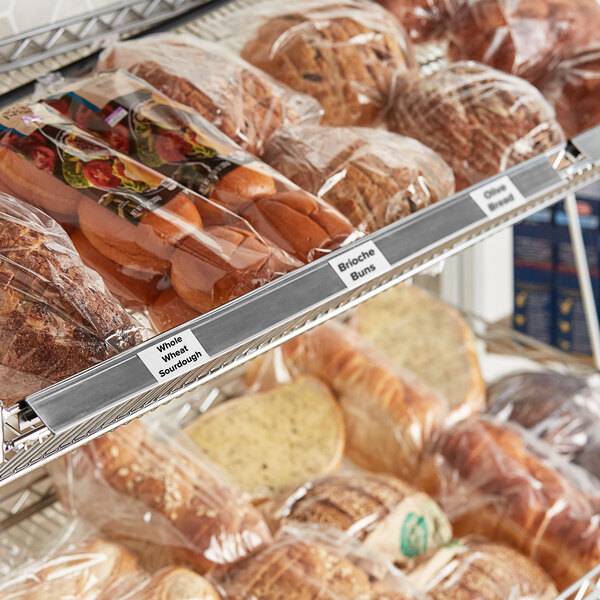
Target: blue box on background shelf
<point>533,253</point>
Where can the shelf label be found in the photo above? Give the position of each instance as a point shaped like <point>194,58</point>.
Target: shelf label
<point>359,265</point>
<point>498,197</point>
<point>174,356</point>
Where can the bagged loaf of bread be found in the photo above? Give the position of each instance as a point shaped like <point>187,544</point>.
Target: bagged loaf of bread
<point>271,441</point>
<point>527,38</point>
<point>418,333</point>
<point>480,120</point>
<point>246,104</point>
<point>307,562</point>
<point>86,570</point>
<point>424,20</point>
<point>389,414</point>
<point>490,480</point>
<point>561,409</point>
<point>351,55</point>
<point>574,91</point>
<point>160,499</point>
<point>131,116</point>
<point>473,569</point>
<point>373,177</point>
<point>134,216</point>
<point>390,517</point>
<point>56,316</point>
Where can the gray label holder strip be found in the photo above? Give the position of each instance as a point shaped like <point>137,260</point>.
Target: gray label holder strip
<point>123,377</point>
<point>589,143</point>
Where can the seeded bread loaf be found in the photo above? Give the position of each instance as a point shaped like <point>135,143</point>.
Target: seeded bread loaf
<point>390,416</point>
<point>471,569</point>
<point>416,332</point>
<point>56,316</point>
<point>389,516</point>
<point>195,519</point>
<point>270,441</point>
<point>174,583</point>
<point>350,55</point>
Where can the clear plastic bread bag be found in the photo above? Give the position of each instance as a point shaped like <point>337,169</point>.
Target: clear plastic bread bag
<point>57,316</point>
<point>372,176</point>
<point>159,244</point>
<point>574,91</point>
<point>527,38</point>
<point>77,564</point>
<point>161,499</point>
<point>389,415</point>
<point>389,517</point>
<point>495,480</point>
<point>246,104</point>
<point>424,20</point>
<point>561,409</point>
<point>350,55</point>
<point>306,561</point>
<point>480,120</point>
<point>479,570</point>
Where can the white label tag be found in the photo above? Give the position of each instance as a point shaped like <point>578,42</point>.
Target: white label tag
<point>174,356</point>
<point>359,265</point>
<point>498,197</point>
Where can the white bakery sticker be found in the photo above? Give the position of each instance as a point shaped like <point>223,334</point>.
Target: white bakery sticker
<point>174,356</point>
<point>359,265</point>
<point>498,197</point>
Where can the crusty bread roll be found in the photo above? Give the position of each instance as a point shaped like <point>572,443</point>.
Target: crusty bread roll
<point>175,583</point>
<point>416,332</point>
<point>83,570</point>
<point>221,263</point>
<point>56,316</point>
<point>271,441</point>
<point>146,246</point>
<point>298,570</point>
<point>135,289</point>
<point>194,519</point>
<point>388,516</point>
<point>168,311</point>
<point>33,182</point>
<point>302,225</point>
<point>477,570</point>
<point>389,415</point>
<point>490,483</point>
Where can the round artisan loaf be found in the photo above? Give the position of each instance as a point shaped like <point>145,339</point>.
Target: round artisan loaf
<point>168,311</point>
<point>471,569</point>
<point>427,337</point>
<point>480,120</point>
<point>146,246</point>
<point>372,177</point>
<point>219,264</point>
<point>302,225</point>
<point>33,181</point>
<point>175,583</point>
<point>135,289</point>
<point>350,55</point>
<point>388,516</point>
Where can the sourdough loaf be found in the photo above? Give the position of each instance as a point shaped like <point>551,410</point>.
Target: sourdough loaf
<point>489,482</point>
<point>270,441</point>
<point>350,55</point>
<point>57,317</point>
<point>389,516</point>
<point>416,332</point>
<point>389,415</point>
<point>372,177</point>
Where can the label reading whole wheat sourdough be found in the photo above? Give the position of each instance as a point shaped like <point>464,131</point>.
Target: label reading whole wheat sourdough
<point>174,356</point>
<point>359,265</point>
<point>498,197</point>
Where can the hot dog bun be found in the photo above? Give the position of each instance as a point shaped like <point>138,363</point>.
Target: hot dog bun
<point>169,310</point>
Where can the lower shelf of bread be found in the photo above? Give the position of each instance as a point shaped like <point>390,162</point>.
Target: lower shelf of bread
<point>362,459</point>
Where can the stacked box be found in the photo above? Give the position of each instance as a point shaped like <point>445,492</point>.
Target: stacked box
<point>533,261</point>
